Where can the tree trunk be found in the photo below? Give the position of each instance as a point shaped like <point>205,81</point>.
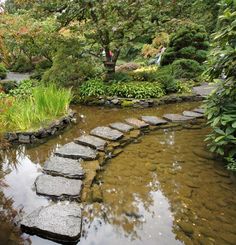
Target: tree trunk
<point>110,63</point>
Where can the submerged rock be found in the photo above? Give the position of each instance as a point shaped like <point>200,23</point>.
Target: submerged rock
<point>59,187</point>
<point>153,120</point>
<point>92,141</point>
<point>64,167</point>
<point>123,127</point>
<point>107,133</point>
<point>75,151</point>
<point>59,222</point>
<point>137,123</point>
<point>176,118</point>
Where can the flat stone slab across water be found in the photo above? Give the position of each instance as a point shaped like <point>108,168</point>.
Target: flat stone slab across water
<point>136,123</point>
<point>64,167</point>
<point>59,187</point>
<point>192,114</point>
<point>199,110</point>
<point>92,141</point>
<point>176,118</point>
<point>76,151</point>
<point>123,127</point>
<point>153,120</point>
<point>59,222</point>
<point>107,133</point>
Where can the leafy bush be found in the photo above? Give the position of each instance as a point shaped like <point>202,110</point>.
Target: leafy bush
<point>221,105</point>
<point>44,105</point>
<point>138,90</point>
<point>120,76</point>
<point>40,69</point>
<point>24,89</point>
<point>149,51</point>
<point>92,88</point>
<point>186,68</point>
<point>70,68</point>
<point>3,71</point>
<point>22,64</point>
<point>146,73</point>
<point>8,85</point>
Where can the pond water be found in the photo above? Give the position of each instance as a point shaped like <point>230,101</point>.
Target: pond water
<point>164,189</point>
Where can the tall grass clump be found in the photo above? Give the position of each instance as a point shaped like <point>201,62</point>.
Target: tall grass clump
<point>45,104</point>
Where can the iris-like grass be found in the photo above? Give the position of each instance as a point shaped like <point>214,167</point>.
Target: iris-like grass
<point>46,104</point>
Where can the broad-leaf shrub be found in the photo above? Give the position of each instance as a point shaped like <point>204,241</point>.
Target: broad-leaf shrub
<point>221,105</point>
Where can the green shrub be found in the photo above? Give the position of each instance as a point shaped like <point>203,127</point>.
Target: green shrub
<point>138,90</point>
<point>92,88</point>
<point>22,64</point>
<point>7,86</point>
<point>186,68</point>
<point>44,105</point>
<point>24,89</point>
<point>3,71</point>
<point>120,76</point>
<point>190,42</point>
<point>40,69</point>
<point>146,73</point>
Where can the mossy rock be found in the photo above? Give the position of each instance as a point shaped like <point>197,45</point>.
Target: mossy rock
<point>127,103</point>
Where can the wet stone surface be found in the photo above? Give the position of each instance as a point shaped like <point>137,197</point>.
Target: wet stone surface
<point>199,110</point>
<point>64,167</point>
<point>136,123</point>
<point>59,187</point>
<point>107,133</point>
<point>153,120</point>
<point>76,151</point>
<point>60,222</point>
<point>192,114</point>
<point>176,118</point>
<point>92,141</point>
<point>123,127</point>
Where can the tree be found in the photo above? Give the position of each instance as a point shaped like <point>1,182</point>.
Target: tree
<point>107,25</point>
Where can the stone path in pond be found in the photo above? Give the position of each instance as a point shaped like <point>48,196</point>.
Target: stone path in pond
<point>68,175</point>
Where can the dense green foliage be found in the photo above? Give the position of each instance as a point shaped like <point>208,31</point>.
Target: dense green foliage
<point>221,105</point>
<point>187,51</point>
<point>31,112</point>
<point>3,71</point>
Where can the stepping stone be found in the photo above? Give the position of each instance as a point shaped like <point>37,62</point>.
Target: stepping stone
<point>92,141</point>
<point>199,110</point>
<point>64,167</point>
<point>192,114</point>
<point>107,133</point>
<point>123,127</point>
<point>153,120</point>
<point>48,185</point>
<point>176,118</point>
<point>75,151</point>
<point>60,222</point>
<point>137,123</point>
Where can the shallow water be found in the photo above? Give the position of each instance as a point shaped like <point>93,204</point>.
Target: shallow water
<point>163,190</point>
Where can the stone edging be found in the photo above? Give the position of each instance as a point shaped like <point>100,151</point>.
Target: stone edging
<point>69,174</point>
<point>42,133</point>
<point>141,103</point>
